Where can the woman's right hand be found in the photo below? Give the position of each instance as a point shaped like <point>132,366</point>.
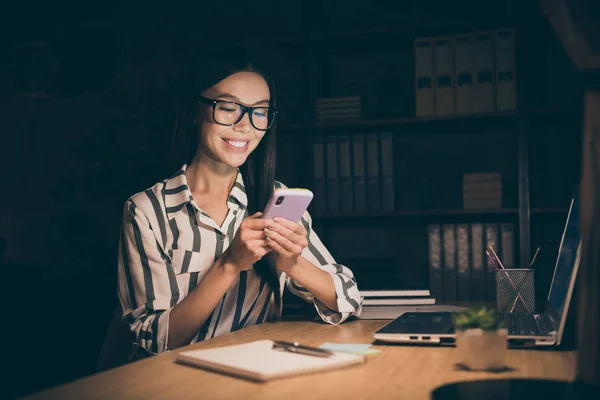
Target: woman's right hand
<point>249,244</point>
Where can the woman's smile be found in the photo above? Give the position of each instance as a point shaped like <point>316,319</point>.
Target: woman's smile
<point>236,145</point>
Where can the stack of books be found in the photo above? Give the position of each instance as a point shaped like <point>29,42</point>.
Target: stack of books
<point>397,297</point>
<point>482,190</point>
<point>331,109</point>
<point>390,304</point>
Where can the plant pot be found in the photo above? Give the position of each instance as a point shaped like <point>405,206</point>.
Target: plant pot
<point>482,350</point>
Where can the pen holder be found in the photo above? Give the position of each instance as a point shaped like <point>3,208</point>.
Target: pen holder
<point>515,290</point>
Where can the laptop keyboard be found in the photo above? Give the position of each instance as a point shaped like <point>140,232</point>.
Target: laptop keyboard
<point>545,323</point>
<point>521,324</point>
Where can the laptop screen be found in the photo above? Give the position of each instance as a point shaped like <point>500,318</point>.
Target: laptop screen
<point>567,255</point>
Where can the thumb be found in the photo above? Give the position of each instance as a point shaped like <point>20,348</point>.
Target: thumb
<point>256,215</point>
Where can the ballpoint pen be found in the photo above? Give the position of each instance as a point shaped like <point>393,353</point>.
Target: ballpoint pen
<point>534,257</point>
<point>514,304</point>
<point>491,259</point>
<point>496,256</point>
<point>295,347</point>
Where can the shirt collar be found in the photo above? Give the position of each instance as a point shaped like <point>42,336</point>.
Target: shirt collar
<point>178,194</point>
<point>238,191</point>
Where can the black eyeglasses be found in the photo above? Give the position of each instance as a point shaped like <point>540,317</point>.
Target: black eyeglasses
<point>229,113</point>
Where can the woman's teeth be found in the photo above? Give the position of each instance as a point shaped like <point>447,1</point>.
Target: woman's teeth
<point>236,144</point>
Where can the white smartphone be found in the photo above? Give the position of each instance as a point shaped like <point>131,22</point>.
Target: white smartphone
<point>290,204</point>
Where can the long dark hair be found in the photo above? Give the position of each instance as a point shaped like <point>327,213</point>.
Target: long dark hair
<point>258,171</point>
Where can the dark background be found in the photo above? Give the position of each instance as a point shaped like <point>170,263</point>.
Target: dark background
<point>86,113</point>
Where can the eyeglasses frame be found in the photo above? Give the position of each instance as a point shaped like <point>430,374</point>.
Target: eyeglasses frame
<point>245,109</point>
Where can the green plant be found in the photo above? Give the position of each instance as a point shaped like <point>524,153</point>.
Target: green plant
<point>477,317</point>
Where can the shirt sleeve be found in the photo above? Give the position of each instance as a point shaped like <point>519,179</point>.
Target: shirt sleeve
<point>145,282</point>
<point>349,300</point>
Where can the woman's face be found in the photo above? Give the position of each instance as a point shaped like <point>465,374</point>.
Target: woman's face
<point>231,145</point>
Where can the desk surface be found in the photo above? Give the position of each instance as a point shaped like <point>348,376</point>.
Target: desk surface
<point>399,371</point>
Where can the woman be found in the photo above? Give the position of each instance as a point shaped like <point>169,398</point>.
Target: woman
<point>195,259</point>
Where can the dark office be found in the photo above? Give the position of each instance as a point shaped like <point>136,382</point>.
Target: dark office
<point>298,199</point>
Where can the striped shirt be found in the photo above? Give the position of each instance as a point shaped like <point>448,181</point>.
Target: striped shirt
<point>168,244</point>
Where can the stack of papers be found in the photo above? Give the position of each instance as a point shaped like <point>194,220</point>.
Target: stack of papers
<point>259,361</point>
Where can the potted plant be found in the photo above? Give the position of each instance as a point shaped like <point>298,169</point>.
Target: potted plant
<point>481,339</point>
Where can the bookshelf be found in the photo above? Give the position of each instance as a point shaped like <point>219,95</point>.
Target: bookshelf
<point>421,213</point>
<point>471,120</point>
<point>535,145</point>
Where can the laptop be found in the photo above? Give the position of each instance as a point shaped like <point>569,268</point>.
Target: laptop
<point>524,330</point>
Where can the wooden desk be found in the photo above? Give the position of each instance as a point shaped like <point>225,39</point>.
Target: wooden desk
<point>399,371</point>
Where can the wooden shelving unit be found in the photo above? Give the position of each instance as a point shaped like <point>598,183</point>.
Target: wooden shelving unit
<point>424,213</point>
<point>317,44</point>
<point>416,216</point>
<point>413,120</point>
<point>546,113</point>
<point>395,216</point>
<point>549,211</point>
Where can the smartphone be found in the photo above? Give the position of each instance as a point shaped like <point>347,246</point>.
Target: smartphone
<point>290,204</point>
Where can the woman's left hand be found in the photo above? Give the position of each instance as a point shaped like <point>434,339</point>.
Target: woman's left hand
<point>287,239</point>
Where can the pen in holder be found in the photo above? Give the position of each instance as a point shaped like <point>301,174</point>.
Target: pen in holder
<point>515,290</point>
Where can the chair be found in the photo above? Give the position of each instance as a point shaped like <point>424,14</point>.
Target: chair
<point>116,348</point>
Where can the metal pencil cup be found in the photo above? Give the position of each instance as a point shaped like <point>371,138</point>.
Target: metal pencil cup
<point>515,290</point>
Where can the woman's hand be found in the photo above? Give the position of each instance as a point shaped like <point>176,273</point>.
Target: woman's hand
<point>287,239</point>
<point>249,244</point>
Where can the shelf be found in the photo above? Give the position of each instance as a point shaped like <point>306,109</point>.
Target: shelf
<point>556,114</point>
<point>437,213</point>
<point>413,120</point>
<point>549,211</point>
<point>419,213</point>
<point>484,118</point>
<point>418,27</point>
<point>422,26</point>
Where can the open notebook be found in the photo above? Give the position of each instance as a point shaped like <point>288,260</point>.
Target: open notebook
<point>258,361</point>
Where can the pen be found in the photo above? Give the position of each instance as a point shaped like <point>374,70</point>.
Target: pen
<point>491,259</point>
<point>512,283</point>
<point>496,257</point>
<point>295,347</point>
<point>514,304</point>
<point>534,256</point>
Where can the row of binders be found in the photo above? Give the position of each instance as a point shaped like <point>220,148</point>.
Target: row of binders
<point>459,269</point>
<point>354,173</point>
<point>465,74</point>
